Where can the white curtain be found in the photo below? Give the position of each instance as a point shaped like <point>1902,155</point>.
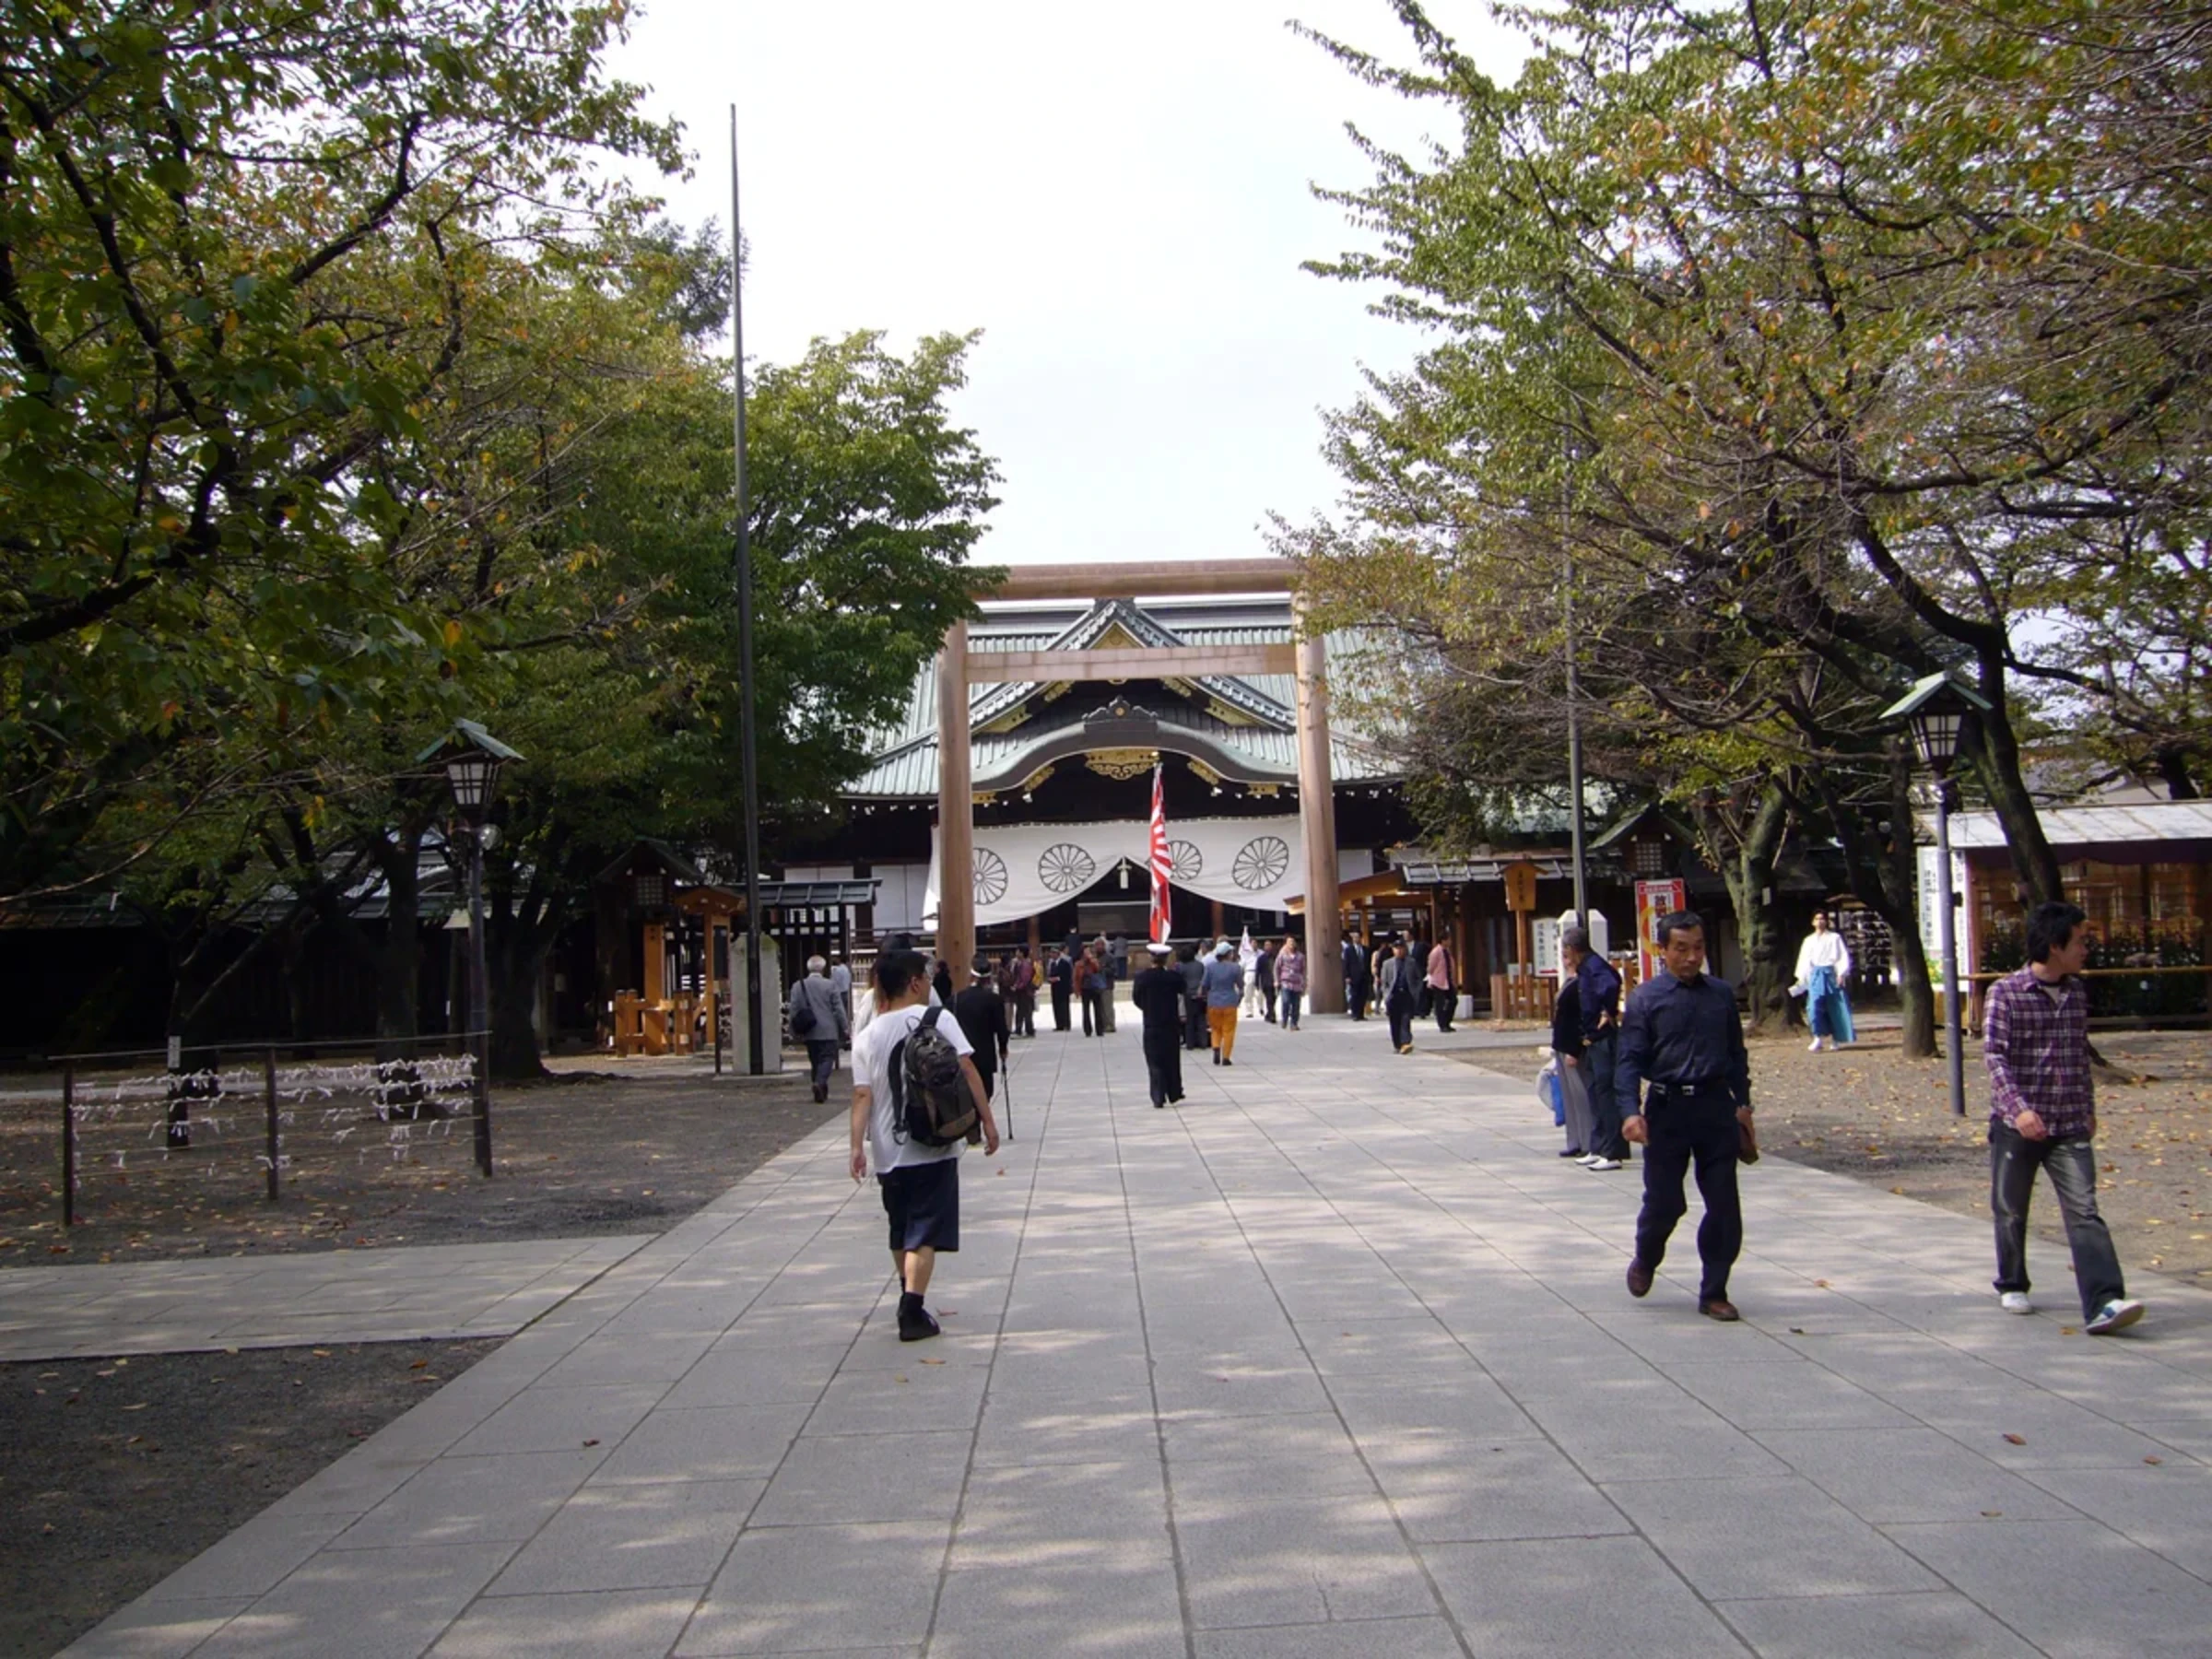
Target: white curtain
<point>1024,868</point>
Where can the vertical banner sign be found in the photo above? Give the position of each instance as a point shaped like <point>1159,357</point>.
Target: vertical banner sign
<point>1654,899</point>
<point>1160,862</point>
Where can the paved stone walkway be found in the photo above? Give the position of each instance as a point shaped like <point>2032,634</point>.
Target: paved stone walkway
<point>437,1291</point>
<point>1333,1361</point>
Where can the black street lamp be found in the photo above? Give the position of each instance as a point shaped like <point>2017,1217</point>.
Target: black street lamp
<point>473,757</point>
<point>1938,708</point>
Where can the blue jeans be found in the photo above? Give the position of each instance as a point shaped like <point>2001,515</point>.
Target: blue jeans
<point>1289,1000</point>
<point>2072,1163</point>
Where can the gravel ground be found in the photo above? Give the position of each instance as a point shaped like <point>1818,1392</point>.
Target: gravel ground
<point>117,1472</point>
<point>114,1473</point>
<point>1868,1112</point>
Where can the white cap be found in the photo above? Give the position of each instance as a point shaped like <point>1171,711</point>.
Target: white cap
<point>1160,948</point>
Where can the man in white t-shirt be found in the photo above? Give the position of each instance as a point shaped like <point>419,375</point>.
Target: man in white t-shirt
<point>920,1184</point>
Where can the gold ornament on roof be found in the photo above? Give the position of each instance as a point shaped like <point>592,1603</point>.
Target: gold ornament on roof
<point>1123,763</point>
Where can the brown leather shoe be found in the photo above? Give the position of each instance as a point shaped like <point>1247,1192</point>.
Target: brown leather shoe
<point>1640,1278</point>
<point>1720,1308</point>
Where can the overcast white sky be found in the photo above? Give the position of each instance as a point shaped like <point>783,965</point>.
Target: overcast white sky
<point>1118,198</point>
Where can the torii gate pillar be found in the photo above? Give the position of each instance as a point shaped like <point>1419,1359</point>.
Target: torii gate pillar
<point>1317,818</point>
<point>956,810</point>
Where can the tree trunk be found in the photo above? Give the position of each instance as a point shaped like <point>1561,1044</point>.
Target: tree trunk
<point>516,966</point>
<point>2033,862</point>
<point>399,957</point>
<point>1899,872</point>
<point>1748,869</point>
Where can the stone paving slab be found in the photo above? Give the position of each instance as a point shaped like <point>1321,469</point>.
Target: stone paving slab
<point>1333,1361</point>
<point>410,1292</point>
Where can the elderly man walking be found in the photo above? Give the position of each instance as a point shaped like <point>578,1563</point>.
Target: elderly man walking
<point>2042,1115</point>
<point>820,1018</point>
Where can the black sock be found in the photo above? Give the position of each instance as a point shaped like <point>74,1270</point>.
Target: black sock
<point>909,1301</point>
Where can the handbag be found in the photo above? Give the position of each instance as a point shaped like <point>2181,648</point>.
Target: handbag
<point>1747,1142</point>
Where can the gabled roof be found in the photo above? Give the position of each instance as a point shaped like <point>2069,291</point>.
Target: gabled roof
<point>1246,729</point>
<point>1097,629</point>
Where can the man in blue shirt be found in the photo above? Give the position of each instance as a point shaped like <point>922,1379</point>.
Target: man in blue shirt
<point>1681,1033</point>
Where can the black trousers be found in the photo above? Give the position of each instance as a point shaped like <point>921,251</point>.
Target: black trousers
<point>1094,1012</point>
<point>1440,1004</point>
<point>1025,1013</point>
<point>1362,995</point>
<point>1059,1007</point>
<point>1686,1134</point>
<point>1195,1032</point>
<point>1163,1062</point>
<point>1400,1010</point>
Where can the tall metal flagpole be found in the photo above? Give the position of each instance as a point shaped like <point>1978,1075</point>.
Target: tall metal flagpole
<point>756,1061</point>
<point>1574,718</point>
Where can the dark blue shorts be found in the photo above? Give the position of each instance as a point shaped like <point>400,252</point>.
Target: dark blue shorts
<point>924,1203</point>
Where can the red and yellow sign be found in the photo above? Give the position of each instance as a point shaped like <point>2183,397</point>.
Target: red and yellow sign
<point>1654,899</point>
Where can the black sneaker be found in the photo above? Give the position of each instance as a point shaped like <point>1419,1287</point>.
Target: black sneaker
<point>1574,1152</point>
<point>917,1325</point>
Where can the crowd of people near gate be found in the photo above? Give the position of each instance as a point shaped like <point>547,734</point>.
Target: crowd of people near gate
<point>1664,1070</point>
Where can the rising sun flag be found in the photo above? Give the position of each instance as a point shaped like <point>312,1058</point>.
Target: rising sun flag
<point>1159,860</point>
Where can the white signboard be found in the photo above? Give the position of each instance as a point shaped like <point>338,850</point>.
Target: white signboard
<point>1930,915</point>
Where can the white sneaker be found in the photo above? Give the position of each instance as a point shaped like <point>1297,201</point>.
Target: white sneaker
<point>2015,1302</point>
<point>1813,1046</point>
<point>2115,1316</point>
<point>1587,1160</point>
<point>1605,1163</point>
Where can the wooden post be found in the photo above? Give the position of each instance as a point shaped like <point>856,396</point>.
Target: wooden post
<point>956,810</point>
<point>1520,898</point>
<point>1317,818</point>
<point>68,1146</point>
<point>268,1079</point>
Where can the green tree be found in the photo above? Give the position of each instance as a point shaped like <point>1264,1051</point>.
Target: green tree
<point>197,365</point>
<point>867,504</point>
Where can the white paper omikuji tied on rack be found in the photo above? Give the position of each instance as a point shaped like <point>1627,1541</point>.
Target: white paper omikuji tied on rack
<point>231,1105</point>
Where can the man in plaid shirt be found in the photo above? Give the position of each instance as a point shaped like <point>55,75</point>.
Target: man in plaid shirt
<point>2042,1115</point>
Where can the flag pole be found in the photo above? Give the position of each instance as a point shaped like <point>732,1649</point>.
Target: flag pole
<point>1162,922</point>
<point>749,759</point>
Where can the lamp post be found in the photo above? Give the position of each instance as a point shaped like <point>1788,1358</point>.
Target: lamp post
<point>1938,708</point>
<point>473,757</point>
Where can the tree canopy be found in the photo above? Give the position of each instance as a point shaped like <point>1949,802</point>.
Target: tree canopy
<point>1837,343</point>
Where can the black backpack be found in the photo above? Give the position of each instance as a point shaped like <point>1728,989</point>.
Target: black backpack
<point>930,1102</point>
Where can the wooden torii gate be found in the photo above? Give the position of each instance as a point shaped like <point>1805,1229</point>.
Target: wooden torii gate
<point>959,668</point>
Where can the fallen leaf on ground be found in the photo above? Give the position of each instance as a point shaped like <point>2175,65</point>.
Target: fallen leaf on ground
<point>2016,1440</point>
